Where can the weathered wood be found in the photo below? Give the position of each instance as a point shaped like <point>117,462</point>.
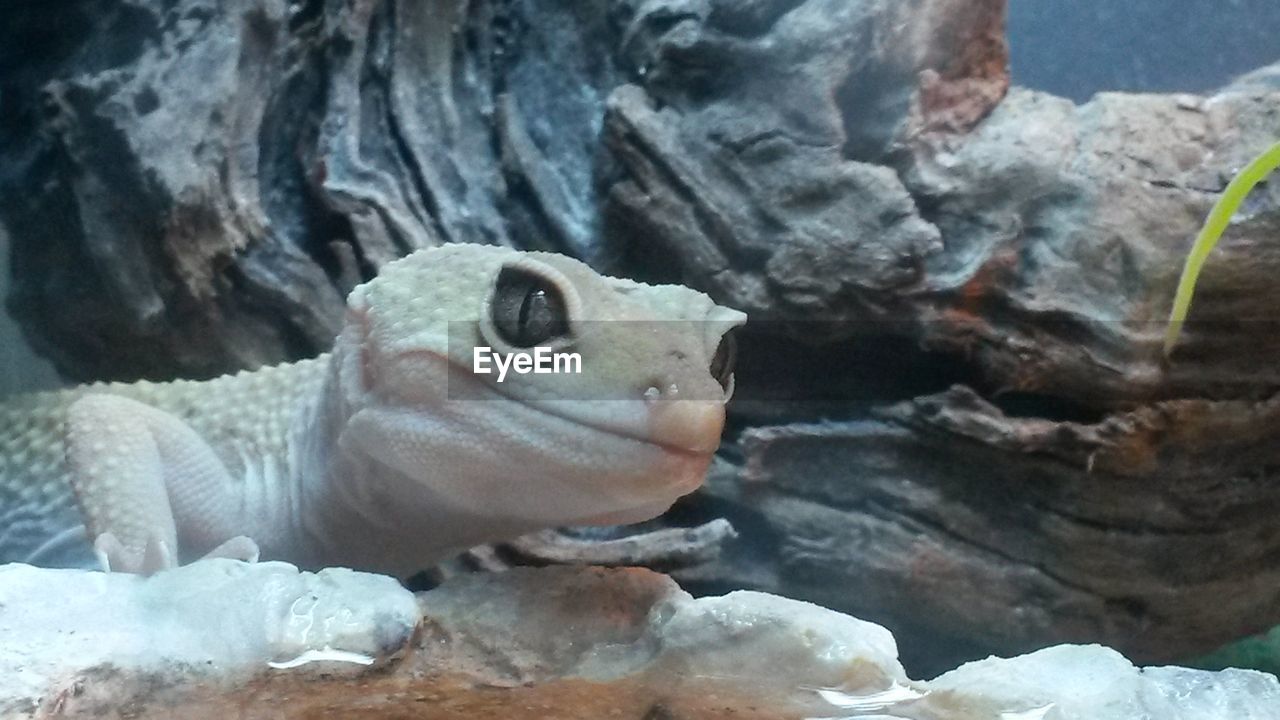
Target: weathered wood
<point>960,522</point>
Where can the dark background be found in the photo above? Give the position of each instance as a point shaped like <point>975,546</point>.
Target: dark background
<point>1075,48</point>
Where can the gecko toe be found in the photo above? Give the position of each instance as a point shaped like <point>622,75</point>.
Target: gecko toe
<point>115,556</point>
<point>239,547</point>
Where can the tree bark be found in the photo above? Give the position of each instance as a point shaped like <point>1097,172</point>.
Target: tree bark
<point>954,416</point>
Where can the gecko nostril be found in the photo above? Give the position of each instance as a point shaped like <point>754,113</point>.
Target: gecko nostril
<point>722,362</point>
<point>656,390</point>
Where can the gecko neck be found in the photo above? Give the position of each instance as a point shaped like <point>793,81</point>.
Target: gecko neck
<point>360,512</point>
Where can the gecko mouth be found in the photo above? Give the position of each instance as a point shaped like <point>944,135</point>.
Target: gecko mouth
<point>698,425</point>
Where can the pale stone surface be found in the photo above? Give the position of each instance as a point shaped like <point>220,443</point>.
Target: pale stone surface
<point>217,638</point>
<point>219,620</point>
<point>632,626</point>
<point>1091,682</point>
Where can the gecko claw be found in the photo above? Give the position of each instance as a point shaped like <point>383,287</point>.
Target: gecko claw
<point>106,547</point>
<point>114,556</point>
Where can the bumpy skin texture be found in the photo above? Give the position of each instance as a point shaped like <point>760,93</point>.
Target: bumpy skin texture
<point>387,454</point>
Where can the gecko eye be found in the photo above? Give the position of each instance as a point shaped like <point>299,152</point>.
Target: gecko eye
<point>528,309</point>
<point>722,361</point>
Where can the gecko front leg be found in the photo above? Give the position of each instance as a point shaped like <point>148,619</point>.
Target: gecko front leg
<point>131,466</point>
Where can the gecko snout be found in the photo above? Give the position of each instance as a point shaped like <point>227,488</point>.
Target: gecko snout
<point>691,426</point>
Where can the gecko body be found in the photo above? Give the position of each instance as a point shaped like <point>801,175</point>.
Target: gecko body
<point>388,453</point>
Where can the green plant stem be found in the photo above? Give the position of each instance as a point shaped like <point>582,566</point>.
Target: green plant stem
<point>1211,233</point>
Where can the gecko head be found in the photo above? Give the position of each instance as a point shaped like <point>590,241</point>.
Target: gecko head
<point>525,386</point>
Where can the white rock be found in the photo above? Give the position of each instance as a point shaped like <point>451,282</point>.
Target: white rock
<point>1091,682</point>
<point>606,625</point>
<point>762,637</point>
<point>185,643</point>
<point>218,619</point>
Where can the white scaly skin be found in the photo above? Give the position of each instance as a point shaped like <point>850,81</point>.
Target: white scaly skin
<point>377,456</point>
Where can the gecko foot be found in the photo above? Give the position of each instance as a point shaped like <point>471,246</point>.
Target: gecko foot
<point>237,548</point>
<point>113,556</point>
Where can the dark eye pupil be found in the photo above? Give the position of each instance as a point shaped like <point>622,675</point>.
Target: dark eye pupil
<point>722,362</point>
<point>527,309</point>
